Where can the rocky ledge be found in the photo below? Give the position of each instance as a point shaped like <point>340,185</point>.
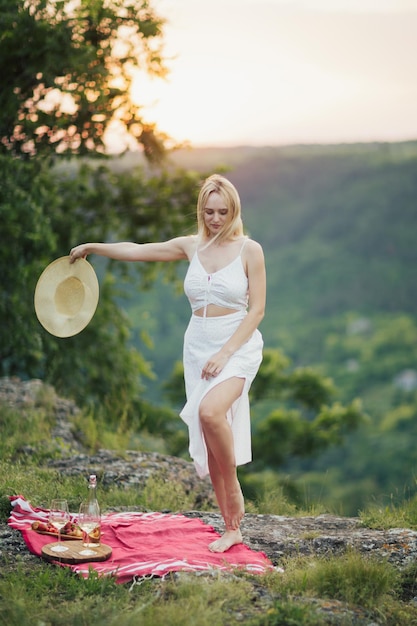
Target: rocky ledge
<point>279,537</point>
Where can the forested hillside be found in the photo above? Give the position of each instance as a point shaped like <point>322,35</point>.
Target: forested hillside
<point>338,225</point>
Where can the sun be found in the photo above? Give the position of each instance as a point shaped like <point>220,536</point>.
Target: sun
<point>175,106</point>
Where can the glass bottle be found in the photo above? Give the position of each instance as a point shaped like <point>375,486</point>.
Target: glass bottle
<point>91,516</point>
<point>92,495</point>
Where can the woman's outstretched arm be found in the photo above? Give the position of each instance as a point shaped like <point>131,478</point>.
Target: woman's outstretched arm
<point>172,250</point>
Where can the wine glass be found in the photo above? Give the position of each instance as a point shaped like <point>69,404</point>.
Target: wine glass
<point>58,517</point>
<point>89,521</point>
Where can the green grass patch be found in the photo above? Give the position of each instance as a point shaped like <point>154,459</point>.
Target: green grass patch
<point>55,596</point>
<point>40,485</point>
<point>401,515</point>
<point>288,613</point>
<point>350,578</point>
<point>272,499</point>
<point>28,429</point>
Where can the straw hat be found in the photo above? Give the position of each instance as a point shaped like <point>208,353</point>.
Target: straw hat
<point>66,296</point>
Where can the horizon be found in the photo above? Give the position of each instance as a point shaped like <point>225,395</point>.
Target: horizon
<point>246,146</point>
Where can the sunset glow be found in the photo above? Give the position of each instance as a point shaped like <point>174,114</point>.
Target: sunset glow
<point>286,72</point>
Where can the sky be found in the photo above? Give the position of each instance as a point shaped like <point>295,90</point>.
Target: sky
<point>277,72</point>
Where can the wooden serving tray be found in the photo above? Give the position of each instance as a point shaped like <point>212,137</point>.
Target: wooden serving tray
<point>74,553</point>
<point>63,535</point>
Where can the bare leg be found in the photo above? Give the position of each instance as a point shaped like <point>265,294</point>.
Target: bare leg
<point>222,464</point>
<point>230,537</point>
<point>218,483</point>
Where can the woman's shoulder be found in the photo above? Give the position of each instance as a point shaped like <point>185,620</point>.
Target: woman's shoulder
<point>189,244</point>
<point>252,255</point>
<point>252,246</point>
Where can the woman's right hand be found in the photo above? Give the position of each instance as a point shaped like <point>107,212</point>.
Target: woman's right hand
<point>79,252</point>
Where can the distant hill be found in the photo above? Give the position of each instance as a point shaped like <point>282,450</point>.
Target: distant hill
<point>338,225</point>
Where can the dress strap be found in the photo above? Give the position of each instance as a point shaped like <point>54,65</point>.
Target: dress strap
<point>243,245</point>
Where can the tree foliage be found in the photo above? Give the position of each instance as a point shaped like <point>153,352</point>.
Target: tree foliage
<point>67,69</point>
<point>287,433</point>
<point>305,420</point>
<point>43,215</point>
<point>28,240</point>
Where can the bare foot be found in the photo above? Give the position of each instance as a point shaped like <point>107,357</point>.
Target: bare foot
<point>226,541</point>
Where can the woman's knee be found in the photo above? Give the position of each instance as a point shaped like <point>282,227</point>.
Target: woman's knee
<point>217,401</point>
<point>208,414</point>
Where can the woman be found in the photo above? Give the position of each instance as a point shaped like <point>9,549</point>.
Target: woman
<point>226,287</point>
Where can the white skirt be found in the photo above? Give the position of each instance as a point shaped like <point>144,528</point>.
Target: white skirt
<point>203,338</point>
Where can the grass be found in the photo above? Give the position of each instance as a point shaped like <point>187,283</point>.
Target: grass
<point>350,578</point>
<point>43,484</point>
<point>35,592</point>
<point>403,515</point>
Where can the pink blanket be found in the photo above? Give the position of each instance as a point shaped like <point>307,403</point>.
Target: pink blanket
<point>145,543</point>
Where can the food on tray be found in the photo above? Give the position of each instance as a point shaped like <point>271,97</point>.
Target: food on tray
<point>95,534</point>
<point>69,530</point>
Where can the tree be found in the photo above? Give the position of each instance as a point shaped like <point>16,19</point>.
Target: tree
<point>287,433</point>
<point>43,215</point>
<point>28,240</point>
<point>67,69</point>
<point>304,421</point>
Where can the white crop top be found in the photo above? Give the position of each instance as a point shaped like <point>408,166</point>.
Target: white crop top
<point>228,287</point>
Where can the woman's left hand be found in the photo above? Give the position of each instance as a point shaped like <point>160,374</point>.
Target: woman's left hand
<point>214,366</point>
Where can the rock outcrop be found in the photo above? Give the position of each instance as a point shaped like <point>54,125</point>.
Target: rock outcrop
<point>277,536</point>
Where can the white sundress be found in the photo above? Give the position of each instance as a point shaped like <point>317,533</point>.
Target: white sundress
<point>207,335</point>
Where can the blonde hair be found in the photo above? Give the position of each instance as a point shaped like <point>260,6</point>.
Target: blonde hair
<point>234,227</point>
